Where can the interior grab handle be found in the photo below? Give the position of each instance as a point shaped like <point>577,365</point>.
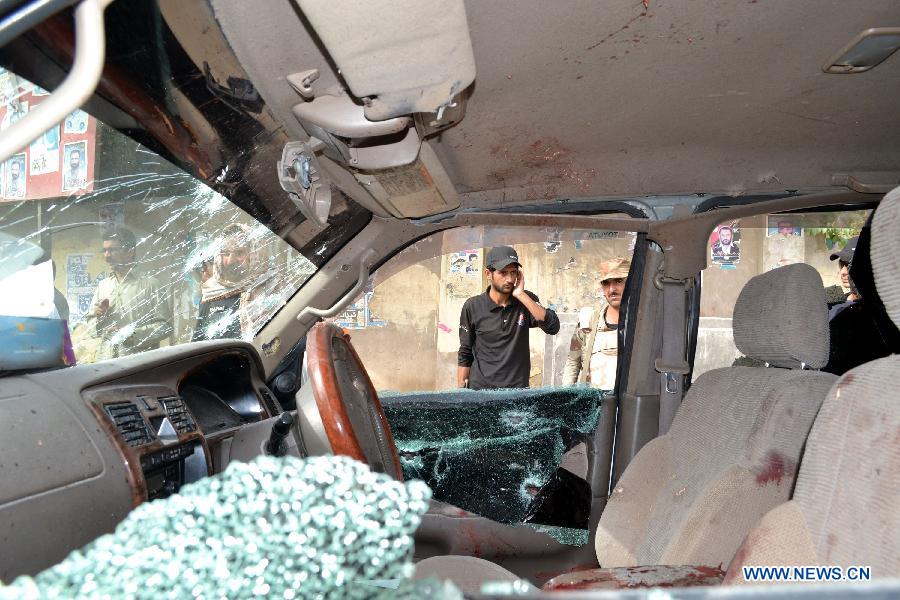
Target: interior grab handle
<point>90,45</point>
<point>348,297</point>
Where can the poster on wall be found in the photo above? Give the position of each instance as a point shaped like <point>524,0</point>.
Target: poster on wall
<point>9,86</point>
<point>112,215</point>
<point>46,165</point>
<point>14,112</point>
<point>75,169</point>
<point>724,245</point>
<point>79,286</point>
<point>359,315</point>
<point>782,225</point>
<point>784,243</point>
<point>44,152</point>
<point>76,122</point>
<point>464,262</point>
<point>14,180</point>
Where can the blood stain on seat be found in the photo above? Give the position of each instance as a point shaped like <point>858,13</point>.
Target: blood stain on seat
<point>774,469</point>
<point>639,577</point>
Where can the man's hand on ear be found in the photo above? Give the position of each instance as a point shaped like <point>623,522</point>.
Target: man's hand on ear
<point>520,284</point>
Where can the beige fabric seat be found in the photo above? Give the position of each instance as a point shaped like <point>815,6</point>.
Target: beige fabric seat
<point>846,507</point>
<point>689,497</point>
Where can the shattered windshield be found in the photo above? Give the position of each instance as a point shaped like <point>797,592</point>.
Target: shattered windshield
<point>126,249</point>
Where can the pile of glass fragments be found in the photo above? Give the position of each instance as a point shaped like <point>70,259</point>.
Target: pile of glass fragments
<point>324,527</point>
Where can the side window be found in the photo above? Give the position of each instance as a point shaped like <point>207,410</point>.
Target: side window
<point>507,454</point>
<point>739,250</point>
<point>406,325</point>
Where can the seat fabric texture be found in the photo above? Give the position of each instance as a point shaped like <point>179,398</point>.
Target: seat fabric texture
<point>689,497</point>
<point>845,510</point>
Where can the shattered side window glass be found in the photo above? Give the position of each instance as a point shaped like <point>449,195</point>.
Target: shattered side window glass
<point>140,254</point>
<point>490,452</point>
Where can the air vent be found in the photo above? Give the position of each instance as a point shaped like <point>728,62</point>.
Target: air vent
<point>129,422</point>
<point>178,414</point>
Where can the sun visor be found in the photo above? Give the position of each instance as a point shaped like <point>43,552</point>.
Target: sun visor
<point>401,56</point>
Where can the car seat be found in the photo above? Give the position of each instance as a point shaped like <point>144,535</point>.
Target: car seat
<point>689,497</point>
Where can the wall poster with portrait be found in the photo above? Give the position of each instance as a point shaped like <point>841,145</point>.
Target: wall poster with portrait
<point>77,122</point>
<point>14,178</point>
<point>14,111</point>
<point>782,225</point>
<point>465,262</point>
<point>44,152</point>
<point>724,245</point>
<point>74,166</point>
<point>44,169</point>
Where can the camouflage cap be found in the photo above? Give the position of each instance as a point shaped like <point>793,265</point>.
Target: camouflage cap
<point>614,268</point>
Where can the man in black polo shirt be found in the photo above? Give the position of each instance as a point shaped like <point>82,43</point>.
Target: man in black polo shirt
<point>493,327</point>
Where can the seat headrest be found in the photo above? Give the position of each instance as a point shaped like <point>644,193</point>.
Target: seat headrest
<point>885,251</point>
<point>781,318</point>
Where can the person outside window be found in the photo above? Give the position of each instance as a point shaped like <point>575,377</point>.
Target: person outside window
<point>845,259</point>
<point>593,351</point>
<point>220,301</point>
<point>243,290</point>
<point>131,310</point>
<point>494,326</point>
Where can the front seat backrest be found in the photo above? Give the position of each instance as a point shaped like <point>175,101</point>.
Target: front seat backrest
<point>689,497</point>
<point>846,506</point>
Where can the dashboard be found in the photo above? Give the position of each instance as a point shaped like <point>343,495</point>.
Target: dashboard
<point>174,435</point>
<point>82,446</point>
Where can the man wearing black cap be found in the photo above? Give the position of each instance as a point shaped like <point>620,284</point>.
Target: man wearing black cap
<point>493,327</point>
<point>845,259</point>
<point>859,330</point>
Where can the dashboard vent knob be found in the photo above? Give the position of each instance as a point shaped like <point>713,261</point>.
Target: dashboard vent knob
<point>178,414</point>
<point>129,422</point>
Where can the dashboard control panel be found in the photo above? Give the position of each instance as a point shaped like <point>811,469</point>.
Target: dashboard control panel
<point>157,434</point>
<point>172,423</point>
<point>166,470</point>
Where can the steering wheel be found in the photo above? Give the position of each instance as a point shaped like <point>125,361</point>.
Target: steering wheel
<point>354,420</point>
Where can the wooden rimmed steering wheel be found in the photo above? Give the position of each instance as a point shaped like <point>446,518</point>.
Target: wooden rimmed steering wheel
<point>351,413</point>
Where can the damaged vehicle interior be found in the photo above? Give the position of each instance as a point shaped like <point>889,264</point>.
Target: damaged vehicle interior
<point>307,192</point>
